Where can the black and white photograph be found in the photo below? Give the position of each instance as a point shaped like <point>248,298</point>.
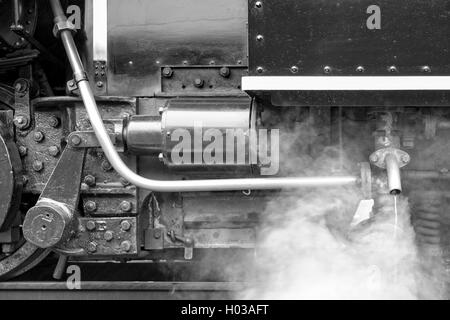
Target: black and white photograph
<point>225,155</point>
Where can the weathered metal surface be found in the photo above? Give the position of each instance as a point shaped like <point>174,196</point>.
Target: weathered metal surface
<point>105,237</point>
<point>170,32</point>
<point>200,79</point>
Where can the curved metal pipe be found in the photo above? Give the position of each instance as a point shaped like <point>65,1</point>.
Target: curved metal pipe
<point>173,186</point>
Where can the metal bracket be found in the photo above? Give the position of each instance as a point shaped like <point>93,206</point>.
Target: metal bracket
<point>22,118</point>
<point>101,77</point>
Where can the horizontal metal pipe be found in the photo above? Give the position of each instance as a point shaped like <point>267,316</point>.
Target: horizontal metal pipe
<point>175,186</point>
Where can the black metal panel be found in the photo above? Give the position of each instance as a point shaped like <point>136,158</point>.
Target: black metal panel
<point>313,34</point>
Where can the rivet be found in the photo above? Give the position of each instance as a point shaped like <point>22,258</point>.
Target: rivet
<point>99,84</point>
<point>125,246</point>
<point>360,69</point>
<point>259,37</point>
<point>75,140</point>
<point>259,69</point>
<point>294,69</point>
<point>327,69</point>
<point>258,4</point>
<point>426,69</point>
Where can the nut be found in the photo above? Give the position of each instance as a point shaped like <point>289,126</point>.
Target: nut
<point>125,225</point>
<point>199,83</point>
<point>38,166</point>
<point>53,151</point>
<point>90,225</point>
<point>53,122</point>
<point>38,136</point>
<point>225,72</point>
<point>258,4</point>
<point>125,246</point>
<point>167,72</point>
<point>90,180</point>
<point>126,206</point>
<point>109,235</point>
<point>90,206</point>
<point>21,122</point>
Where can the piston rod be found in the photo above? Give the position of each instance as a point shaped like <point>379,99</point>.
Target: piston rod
<point>172,186</point>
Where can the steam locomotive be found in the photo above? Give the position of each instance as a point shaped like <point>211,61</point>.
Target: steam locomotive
<point>158,130</point>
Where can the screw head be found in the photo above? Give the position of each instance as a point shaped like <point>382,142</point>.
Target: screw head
<point>90,206</point>
<point>109,235</point>
<point>199,83</point>
<point>125,225</point>
<point>327,69</point>
<point>90,180</point>
<point>260,37</point>
<point>258,4</point>
<point>360,69</point>
<point>23,151</point>
<point>225,72</point>
<point>294,69</point>
<point>38,136</point>
<point>91,225</point>
<point>167,72</point>
<point>125,246</point>
<point>259,69</point>
<point>126,206</point>
<point>53,151</point>
<point>38,166</point>
<point>75,140</point>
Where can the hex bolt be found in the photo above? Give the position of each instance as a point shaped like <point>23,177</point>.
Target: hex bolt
<point>125,225</point>
<point>393,69</point>
<point>53,151</point>
<point>106,166</point>
<point>360,69</point>
<point>199,83</point>
<point>125,246</point>
<point>75,140</point>
<point>21,122</point>
<point>167,72</point>
<point>92,247</point>
<point>91,225</point>
<point>109,235</point>
<point>38,136</point>
<point>126,206</point>
<point>260,37</point>
<point>258,4</point>
<point>38,166</point>
<point>294,69</point>
<point>225,72</point>
<point>90,206</point>
<point>23,151</point>
<point>54,122</point>
<point>327,69</point>
<point>90,181</point>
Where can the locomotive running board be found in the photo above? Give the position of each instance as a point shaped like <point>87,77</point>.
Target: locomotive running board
<point>346,83</point>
